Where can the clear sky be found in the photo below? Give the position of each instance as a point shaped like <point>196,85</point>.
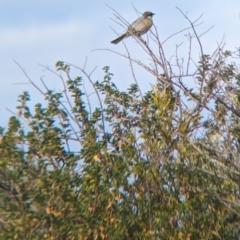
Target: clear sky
<point>43,32</point>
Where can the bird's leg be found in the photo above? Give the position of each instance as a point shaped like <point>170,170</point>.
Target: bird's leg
<point>145,42</point>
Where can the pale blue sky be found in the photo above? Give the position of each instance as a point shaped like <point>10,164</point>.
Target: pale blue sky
<point>44,32</point>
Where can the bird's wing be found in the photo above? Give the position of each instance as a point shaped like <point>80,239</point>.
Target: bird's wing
<point>143,26</point>
<point>135,24</point>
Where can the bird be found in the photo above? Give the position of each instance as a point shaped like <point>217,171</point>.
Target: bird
<point>138,27</point>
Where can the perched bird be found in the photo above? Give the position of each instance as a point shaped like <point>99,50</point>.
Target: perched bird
<point>138,27</point>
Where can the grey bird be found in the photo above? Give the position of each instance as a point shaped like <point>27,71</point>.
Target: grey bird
<point>138,27</point>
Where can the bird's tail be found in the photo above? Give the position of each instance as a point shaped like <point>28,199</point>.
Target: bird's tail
<point>119,39</point>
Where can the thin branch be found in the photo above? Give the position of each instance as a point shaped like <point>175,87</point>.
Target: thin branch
<point>131,66</point>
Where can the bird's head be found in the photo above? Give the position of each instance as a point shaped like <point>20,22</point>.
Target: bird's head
<point>148,14</point>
